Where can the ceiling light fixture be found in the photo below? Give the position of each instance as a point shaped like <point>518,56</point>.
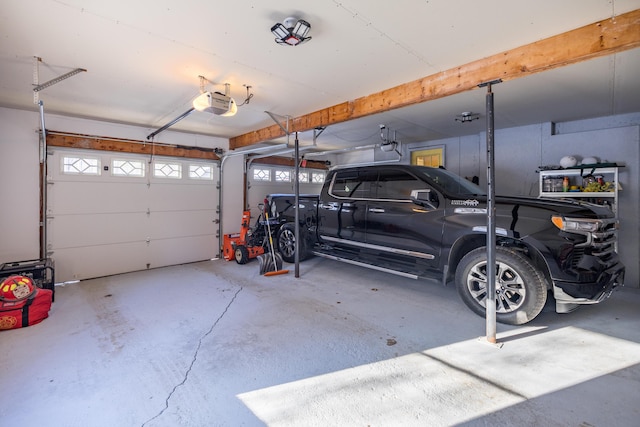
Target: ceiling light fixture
<point>467,116</point>
<point>292,31</point>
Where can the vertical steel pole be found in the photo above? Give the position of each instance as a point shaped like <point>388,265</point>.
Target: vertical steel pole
<point>43,184</point>
<point>297,202</point>
<point>491,223</point>
<point>219,210</point>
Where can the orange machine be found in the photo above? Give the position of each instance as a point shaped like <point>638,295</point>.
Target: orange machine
<point>247,244</point>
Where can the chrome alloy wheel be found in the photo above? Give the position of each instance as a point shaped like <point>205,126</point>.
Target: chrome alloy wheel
<point>510,288</point>
<point>287,243</point>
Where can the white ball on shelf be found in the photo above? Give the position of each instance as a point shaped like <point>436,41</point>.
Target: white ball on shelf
<point>568,161</point>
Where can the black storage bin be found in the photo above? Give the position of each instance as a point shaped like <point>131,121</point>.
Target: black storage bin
<point>41,271</point>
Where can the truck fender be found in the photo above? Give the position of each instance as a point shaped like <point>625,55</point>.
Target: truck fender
<point>469,242</point>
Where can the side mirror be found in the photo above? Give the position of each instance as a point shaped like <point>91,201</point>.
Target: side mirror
<point>424,197</point>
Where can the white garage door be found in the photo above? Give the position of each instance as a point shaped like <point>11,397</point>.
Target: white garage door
<point>110,213</point>
<point>266,179</point>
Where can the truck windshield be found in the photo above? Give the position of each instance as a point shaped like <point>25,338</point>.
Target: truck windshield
<point>451,183</point>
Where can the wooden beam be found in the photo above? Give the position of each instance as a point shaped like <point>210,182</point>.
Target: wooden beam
<point>69,140</point>
<point>594,40</point>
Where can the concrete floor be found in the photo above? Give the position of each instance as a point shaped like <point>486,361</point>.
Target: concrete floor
<point>216,344</point>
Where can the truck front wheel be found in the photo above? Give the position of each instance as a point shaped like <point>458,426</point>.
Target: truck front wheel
<point>521,290</point>
<point>287,243</point>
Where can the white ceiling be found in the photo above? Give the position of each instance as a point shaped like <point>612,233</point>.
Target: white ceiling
<point>143,59</point>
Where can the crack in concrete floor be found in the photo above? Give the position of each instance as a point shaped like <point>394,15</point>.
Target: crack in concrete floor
<point>193,361</point>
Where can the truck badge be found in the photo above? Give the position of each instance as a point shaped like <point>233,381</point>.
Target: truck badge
<point>467,202</point>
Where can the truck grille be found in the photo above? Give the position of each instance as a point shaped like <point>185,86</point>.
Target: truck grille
<point>599,245</point>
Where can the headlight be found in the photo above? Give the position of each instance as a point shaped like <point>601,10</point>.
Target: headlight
<point>576,225</point>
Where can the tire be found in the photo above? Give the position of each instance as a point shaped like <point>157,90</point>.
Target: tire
<point>521,289</point>
<point>286,242</point>
<point>241,254</point>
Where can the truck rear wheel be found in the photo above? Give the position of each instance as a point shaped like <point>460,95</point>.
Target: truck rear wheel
<point>287,243</point>
<point>521,290</point>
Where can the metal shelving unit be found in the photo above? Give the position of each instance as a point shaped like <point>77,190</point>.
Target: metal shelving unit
<point>576,176</point>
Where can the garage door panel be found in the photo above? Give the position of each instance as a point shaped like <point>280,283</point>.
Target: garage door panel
<point>112,214</point>
<point>166,252</point>
<point>97,261</point>
<point>86,230</point>
<point>194,196</point>
<point>97,197</point>
<point>181,223</point>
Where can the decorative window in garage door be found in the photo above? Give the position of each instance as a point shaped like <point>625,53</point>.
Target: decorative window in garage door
<point>75,165</point>
<point>303,177</point>
<point>201,172</point>
<point>262,174</point>
<point>317,177</point>
<point>133,168</point>
<point>167,170</point>
<point>282,175</point>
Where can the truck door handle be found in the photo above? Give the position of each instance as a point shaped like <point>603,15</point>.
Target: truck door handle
<point>376,210</point>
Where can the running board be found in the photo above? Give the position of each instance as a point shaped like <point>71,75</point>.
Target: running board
<point>366,265</point>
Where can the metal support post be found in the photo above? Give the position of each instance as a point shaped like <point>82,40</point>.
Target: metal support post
<point>297,202</point>
<point>43,184</point>
<point>490,301</point>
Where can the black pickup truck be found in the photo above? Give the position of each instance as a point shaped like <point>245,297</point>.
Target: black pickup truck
<point>426,222</point>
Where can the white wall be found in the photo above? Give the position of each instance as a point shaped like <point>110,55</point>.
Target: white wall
<point>355,157</point>
<point>19,186</point>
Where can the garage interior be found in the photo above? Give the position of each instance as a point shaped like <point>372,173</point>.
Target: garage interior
<point>152,327</point>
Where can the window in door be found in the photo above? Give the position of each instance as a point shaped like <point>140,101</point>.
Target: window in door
<point>167,170</point>
<point>197,171</point>
<point>351,184</point>
<point>282,175</point>
<point>317,177</point>
<point>396,185</point>
<point>76,165</point>
<point>127,167</point>
<point>262,175</point>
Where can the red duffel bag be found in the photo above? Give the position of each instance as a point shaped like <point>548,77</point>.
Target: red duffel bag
<point>22,303</point>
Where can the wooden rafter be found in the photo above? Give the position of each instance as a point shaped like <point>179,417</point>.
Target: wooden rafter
<point>68,140</point>
<point>598,39</point>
